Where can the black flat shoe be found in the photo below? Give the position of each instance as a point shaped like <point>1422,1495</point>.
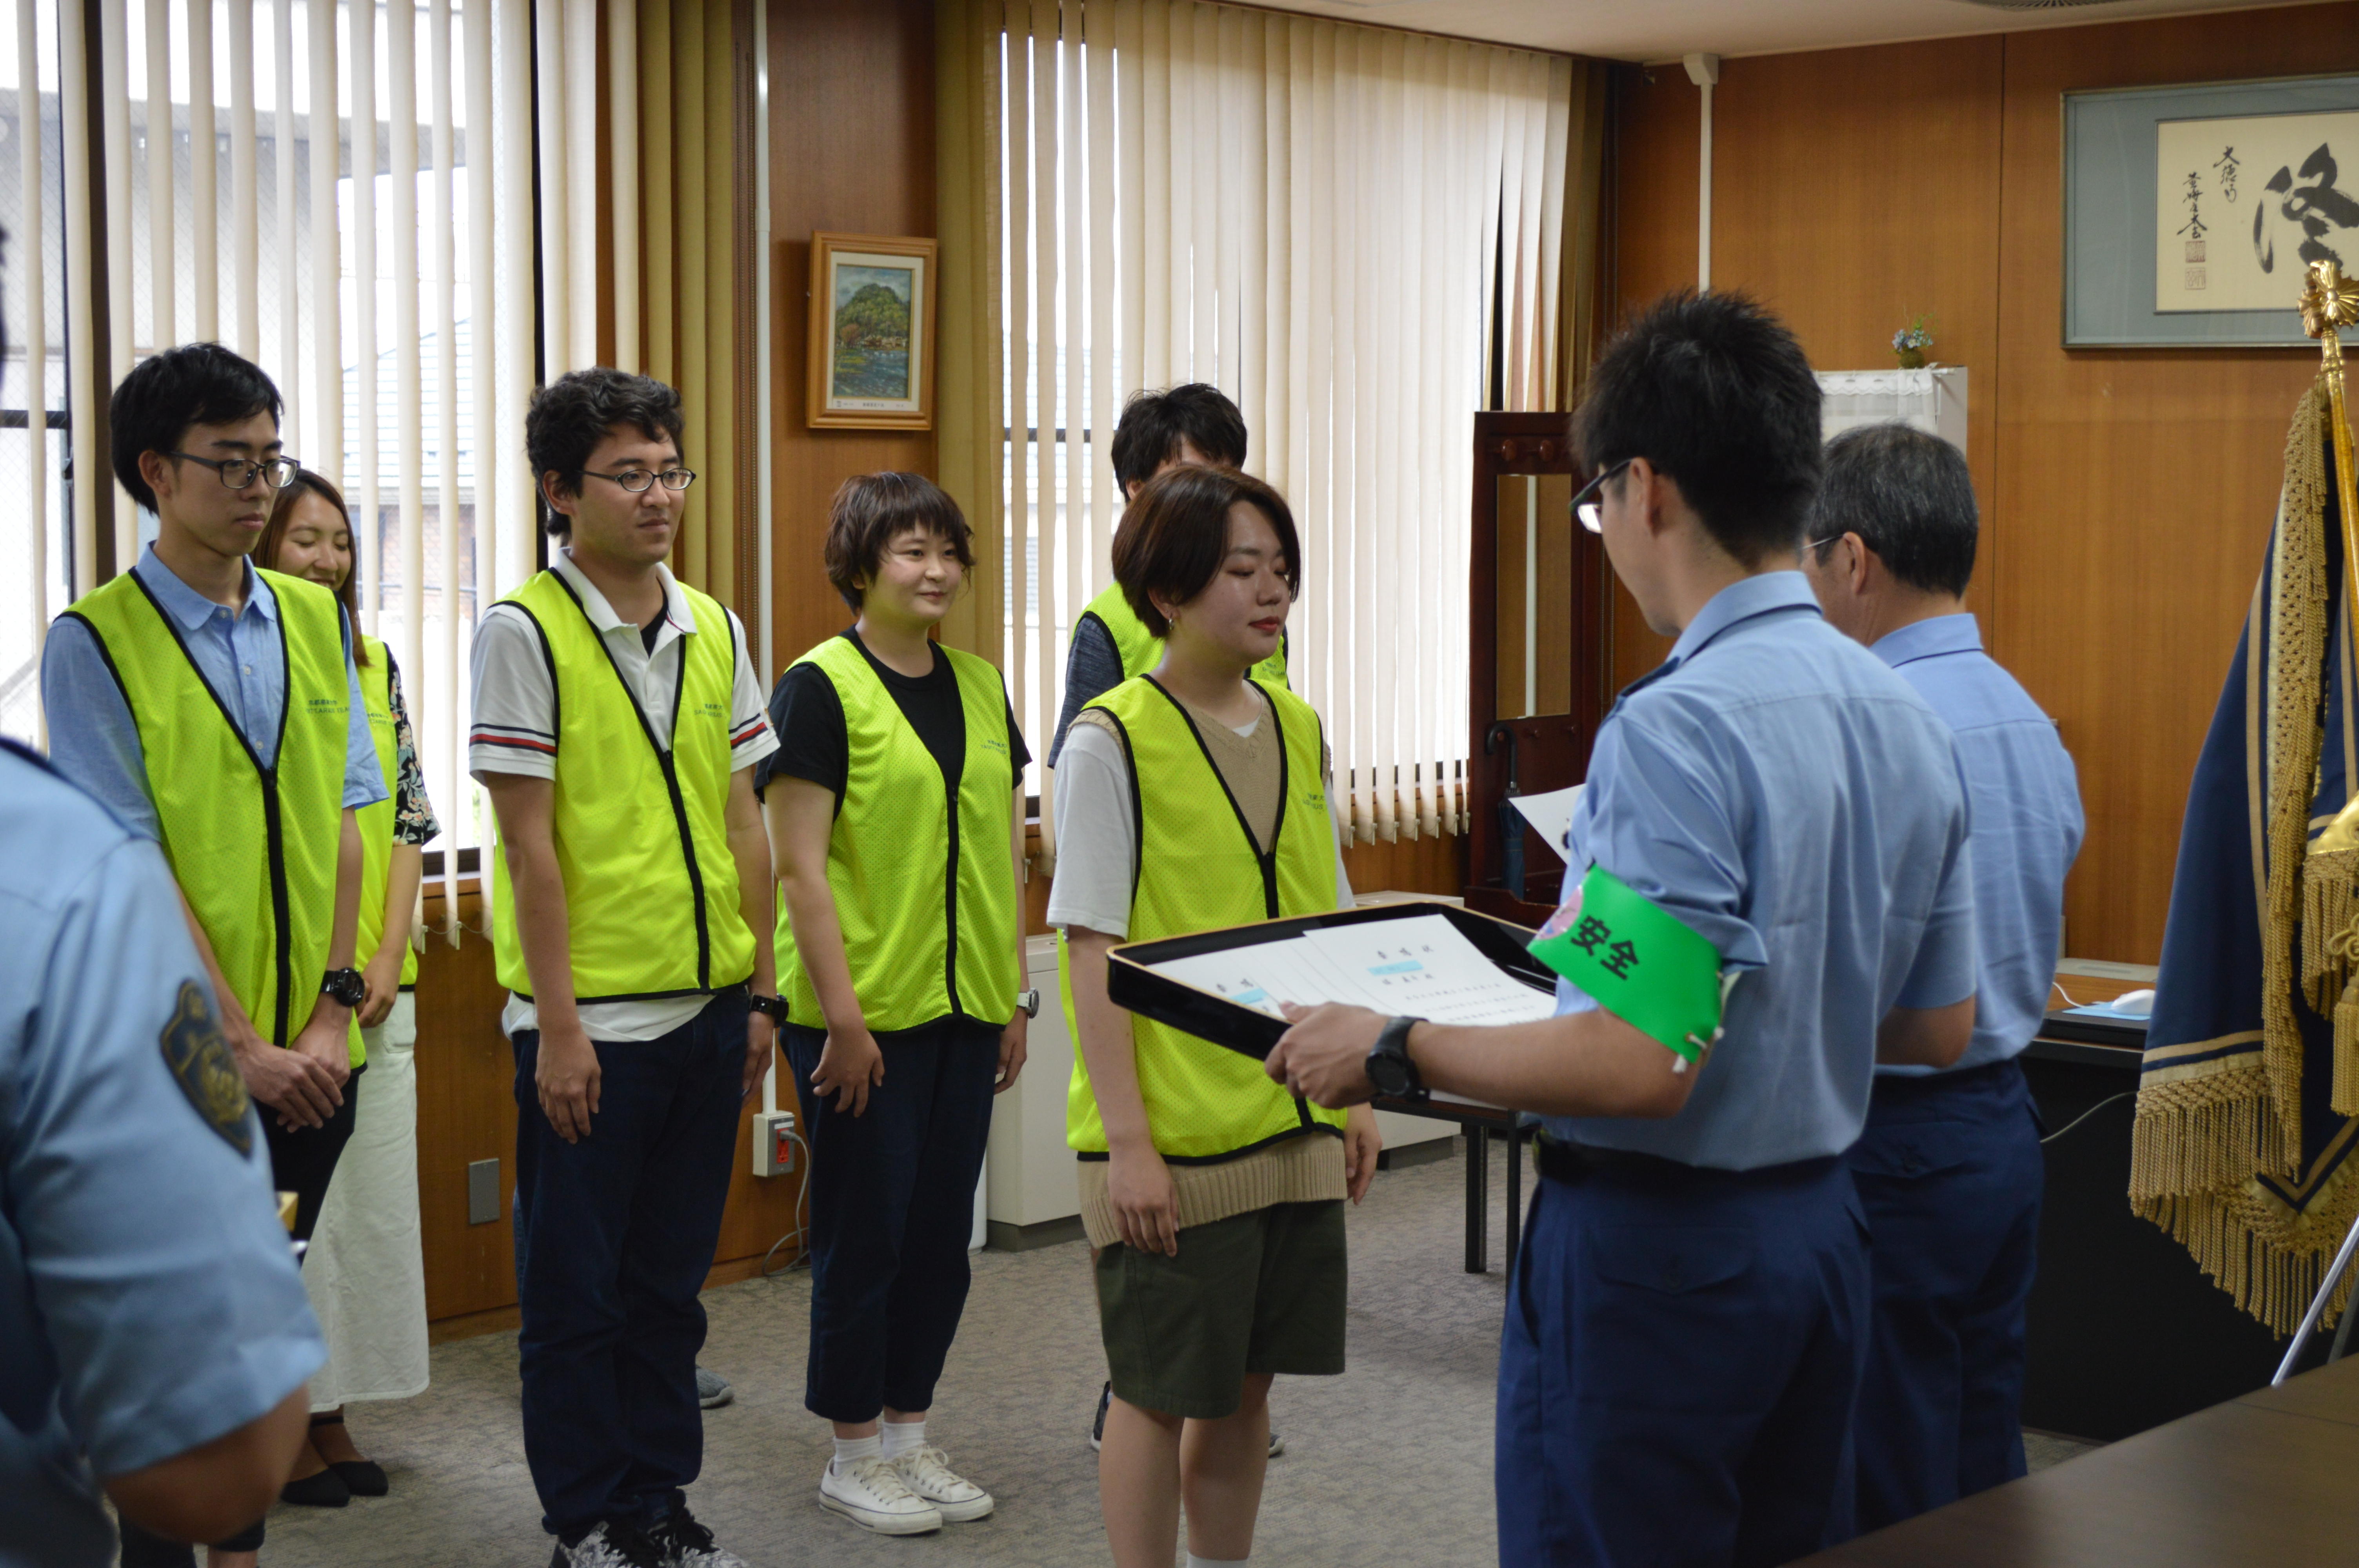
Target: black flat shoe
<point>325,1490</point>
<point>362,1477</point>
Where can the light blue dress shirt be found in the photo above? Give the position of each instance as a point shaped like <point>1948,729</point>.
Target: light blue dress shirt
<point>149,1301</point>
<point>2025,799</point>
<point>1776,786</point>
<point>93,740</point>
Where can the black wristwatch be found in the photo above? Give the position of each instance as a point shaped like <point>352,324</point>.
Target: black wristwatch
<point>1390,1067</point>
<point>770,1007</point>
<point>344,987</point>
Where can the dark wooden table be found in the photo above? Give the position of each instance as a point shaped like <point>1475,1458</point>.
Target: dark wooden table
<point>1481,1124</point>
<point>2269,1479</point>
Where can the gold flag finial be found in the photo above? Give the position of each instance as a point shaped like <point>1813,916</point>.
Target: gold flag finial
<point>2329,302</point>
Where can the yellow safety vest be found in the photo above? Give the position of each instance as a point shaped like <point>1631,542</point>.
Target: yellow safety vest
<point>925,890</point>
<point>252,847</point>
<point>1142,650</point>
<point>641,832</point>
<point>377,821</point>
<point>1198,870</point>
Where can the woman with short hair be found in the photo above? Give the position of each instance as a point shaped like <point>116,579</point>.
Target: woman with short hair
<point>896,810</point>
<point>1189,798</point>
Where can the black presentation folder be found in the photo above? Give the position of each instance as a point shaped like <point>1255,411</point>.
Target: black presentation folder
<point>1132,985</point>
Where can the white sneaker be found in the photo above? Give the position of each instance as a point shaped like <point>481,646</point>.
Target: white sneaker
<point>872,1494</point>
<point>926,1471</point>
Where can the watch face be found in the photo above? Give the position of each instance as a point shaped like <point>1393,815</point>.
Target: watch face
<point>1389,1073</point>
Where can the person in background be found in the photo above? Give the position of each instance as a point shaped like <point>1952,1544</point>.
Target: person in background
<point>1771,808</point>
<point>215,708</point>
<point>1193,797</point>
<point>1193,423</point>
<point>157,1334</point>
<point>897,813</point>
<point>1950,1167</point>
<point>617,723</point>
<point>365,1271</point>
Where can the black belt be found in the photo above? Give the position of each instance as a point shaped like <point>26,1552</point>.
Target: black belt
<point>1560,1162</point>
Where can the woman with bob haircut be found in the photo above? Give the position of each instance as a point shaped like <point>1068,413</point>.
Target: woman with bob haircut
<point>364,1269</point>
<point>1191,797</point>
<point>896,811</point>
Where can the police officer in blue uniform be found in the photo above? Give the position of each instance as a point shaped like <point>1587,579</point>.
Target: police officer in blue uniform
<point>1772,808</point>
<point>1950,1168</point>
<point>156,1333</point>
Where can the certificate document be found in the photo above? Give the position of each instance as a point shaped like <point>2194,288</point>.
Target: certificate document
<point>1421,965</point>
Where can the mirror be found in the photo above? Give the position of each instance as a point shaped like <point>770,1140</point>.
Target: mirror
<point>1537,539</point>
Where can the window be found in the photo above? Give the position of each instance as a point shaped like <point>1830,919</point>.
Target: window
<point>341,191</point>
<point>1355,234</point>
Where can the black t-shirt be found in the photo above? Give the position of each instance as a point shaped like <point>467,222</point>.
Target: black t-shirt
<point>807,717</point>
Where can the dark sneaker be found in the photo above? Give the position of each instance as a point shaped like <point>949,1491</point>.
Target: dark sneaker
<point>688,1545</point>
<point>1097,1427</point>
<point>609,1545</point>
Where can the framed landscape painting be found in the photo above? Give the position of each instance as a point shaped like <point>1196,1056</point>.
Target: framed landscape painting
<point>2191,213</point>
<point>872,330</point>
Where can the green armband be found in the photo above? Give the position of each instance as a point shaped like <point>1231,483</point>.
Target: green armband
<point>1643,966</point>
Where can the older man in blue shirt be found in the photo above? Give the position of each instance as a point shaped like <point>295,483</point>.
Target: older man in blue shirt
<point>1949,1165</point>
<point>1773,806</point>
<point>155,1334</point>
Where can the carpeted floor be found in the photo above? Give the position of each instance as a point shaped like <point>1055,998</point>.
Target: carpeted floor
<point>1388,1463</point>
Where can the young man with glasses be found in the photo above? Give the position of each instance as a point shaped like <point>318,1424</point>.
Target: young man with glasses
<point>618,721</point>
<point>1772,808</point>
<point>215,709</point>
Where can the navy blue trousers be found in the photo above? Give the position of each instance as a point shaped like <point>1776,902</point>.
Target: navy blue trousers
<point>1951,1173</point>
<point>621,1229</point>
<point>892,1209</point>
<point>1678,1368</point>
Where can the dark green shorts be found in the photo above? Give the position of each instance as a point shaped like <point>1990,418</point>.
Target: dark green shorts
<point>1255,1293</point>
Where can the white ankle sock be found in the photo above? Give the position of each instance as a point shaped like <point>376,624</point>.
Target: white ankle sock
<point>1196,1562</point>
<point>901,1436</point>
<point>850,1451</point>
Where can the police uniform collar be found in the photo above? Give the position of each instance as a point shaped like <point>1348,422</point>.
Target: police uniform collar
<point>189,607</point>
<point>602,614</point>
<point>1762,594</point>
<point>1929,638</point>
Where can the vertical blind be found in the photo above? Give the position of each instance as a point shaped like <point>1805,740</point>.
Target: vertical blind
<point>1355,233</point>
<point>341,190</point>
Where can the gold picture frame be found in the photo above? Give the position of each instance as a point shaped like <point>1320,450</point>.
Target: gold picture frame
<point>872,332</point>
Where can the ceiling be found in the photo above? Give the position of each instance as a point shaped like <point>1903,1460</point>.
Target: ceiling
<point>1666,29</point>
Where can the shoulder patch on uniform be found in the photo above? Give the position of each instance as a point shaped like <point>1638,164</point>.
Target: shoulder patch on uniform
<point>197,1054</point>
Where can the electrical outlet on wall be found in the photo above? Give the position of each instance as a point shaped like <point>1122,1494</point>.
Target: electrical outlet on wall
<point>773,1143</point>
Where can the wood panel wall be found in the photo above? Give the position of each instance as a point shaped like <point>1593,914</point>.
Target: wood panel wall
<point>852,151</point>
<point>2126,494</point>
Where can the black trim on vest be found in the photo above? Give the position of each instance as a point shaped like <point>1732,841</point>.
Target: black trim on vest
<point>549,659</point>
<point>1274,1137</point>
<point>670,773</point>
<point>274,829</point>
<point>1137,812</point>
<point>1266,858</point>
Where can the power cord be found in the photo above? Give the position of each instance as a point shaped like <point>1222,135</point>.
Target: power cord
<point>2125,1094</point>
<point>800,1236</point>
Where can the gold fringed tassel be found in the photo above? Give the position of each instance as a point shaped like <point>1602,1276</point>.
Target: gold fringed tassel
<point>2200,1136</point>
<point>2330,925</point>
<point>2274,1286</point>
<point>2342,1093</point>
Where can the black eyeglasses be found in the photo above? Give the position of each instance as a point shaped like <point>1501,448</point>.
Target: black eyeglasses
<point>639,482</point>
<point>238,472</point>
<point>1585,504</point>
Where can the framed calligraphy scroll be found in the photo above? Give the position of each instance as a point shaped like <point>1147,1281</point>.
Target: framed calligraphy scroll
<point>2191,213</point>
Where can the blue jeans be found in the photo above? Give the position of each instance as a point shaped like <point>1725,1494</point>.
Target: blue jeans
<point>1676,1371</point>
<point>1950,1173</point>
<point>622,1228</point>
<point>892,1207</point>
